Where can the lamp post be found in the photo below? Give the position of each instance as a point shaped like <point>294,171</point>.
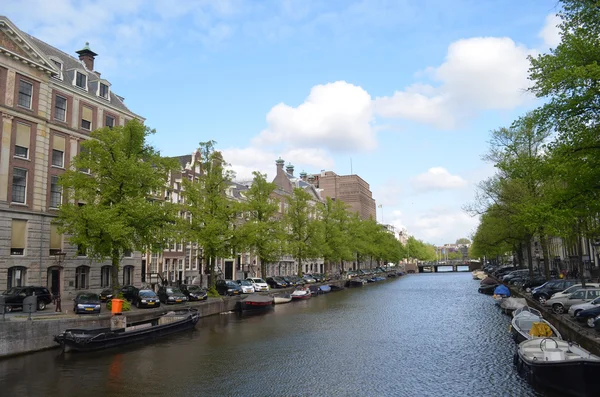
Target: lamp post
<point>59,259</point>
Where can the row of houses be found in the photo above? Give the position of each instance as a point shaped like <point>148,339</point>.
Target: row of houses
<point>50,101</point>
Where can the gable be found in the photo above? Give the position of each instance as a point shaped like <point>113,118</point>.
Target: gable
<point>16,45</point>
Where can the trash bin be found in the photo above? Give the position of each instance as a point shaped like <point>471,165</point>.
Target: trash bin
<point>117,306</point>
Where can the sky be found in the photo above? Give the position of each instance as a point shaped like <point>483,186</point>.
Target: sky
<point>403,93</point>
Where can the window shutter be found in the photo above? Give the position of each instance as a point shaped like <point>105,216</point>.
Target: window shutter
<point>59,143</point>
<point>86,114</point>
<point>54,237</point>
<point>23,134</point>
<point>18,233</point>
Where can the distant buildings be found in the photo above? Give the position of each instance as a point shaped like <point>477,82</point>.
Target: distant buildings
<point>49,102</point>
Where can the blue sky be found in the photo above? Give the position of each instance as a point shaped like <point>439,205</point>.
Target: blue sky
<point>406,91</point>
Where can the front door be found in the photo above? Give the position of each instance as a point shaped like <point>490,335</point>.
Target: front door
<point>54,280</point>
<point>228,270</point>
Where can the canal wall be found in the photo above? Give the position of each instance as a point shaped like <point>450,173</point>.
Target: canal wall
<point>20,335</point>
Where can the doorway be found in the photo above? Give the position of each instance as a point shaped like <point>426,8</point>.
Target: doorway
<point>228,270</point>
<point>54,280</point>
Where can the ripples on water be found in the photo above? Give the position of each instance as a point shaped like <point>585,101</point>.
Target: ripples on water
<point>421,335</point>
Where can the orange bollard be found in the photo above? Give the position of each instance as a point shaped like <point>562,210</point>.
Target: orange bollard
<point>117,306</point>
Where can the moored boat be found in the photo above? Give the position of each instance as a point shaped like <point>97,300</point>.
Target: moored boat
<point>300,294</point>
<point>79,339</point>
<point>556,364</point>
<point>355,282</point>
<point>325,288</point>
<point>528,323</point>
<point>256,302</point>
<point>281,298</point>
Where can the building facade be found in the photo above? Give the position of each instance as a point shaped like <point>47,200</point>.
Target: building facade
<point>351,189</point>
<point>49,103</point>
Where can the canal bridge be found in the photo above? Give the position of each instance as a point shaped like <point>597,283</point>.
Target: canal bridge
<point>449,266</point>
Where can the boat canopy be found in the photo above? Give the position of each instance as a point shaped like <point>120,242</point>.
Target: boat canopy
<point>502,290</point>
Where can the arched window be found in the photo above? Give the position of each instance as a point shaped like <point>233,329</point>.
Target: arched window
<point>105,276</point>
<point>128,275</point>
<point>16,276</point>
<point>82,277</point>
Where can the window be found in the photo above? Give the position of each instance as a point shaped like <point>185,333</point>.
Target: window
<point>81,250</point>
<point>25,94</point>
<point>81,277</point>
<point>127,253</point>
<point>55,193</point>
<point>81,80</point>
<point>188,265</point>
<point>105,276</point>
<point>19,186</point>
<point>127,275</point>
<point>55,240</point>
<point>109,121</point>
<point>86,118</point>
<point>60,108</point>
<point>22,141</point>
<point>103,90</point>
<point>16,277</point>
<point>18,232</point>
<point>59,66</point>
<point>58,151</point>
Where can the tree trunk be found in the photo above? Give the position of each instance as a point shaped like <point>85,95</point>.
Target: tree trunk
<point>299,264</point>
<point>580,255</point>
<point>529,257</point>
<point>263,268</point>
<point>545,253</point>
<point>114,274</point>
<point>520,254</point>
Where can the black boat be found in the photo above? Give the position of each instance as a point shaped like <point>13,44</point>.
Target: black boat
<point>355,282</point>
<point>256,302</point>
<point>556,364</point>
<point>78,339</point>
<point>487,289</point>
<point>335,288</point>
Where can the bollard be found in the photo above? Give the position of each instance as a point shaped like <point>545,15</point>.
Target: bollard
<point>57,307</point>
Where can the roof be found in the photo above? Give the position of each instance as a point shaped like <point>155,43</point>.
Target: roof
<point>184,160</point>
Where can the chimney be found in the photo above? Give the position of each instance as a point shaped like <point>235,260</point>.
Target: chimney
<point>279,163</point>
<point>303,176</point>
<point>87,56</point>
<point>290,169</point>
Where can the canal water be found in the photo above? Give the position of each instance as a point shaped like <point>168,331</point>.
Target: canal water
<point>421,335</point>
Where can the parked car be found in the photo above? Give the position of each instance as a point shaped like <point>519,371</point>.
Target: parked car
<point>228,287</point>
<point>171,295</point>
<point>13,297</point>
<point>529,285</point>
<point>562,304</point>
<point>309,279</point>
<point>546,290</point>
<point>515,274</point>
<point>86,302</point>
<point>588,316</point>
<point>146,298</point>
<point>573,310</point>
<point>258,283</point>
<point>574,288</point>
<point>106,295</point>
<point>194,292</point>
<point>276,282</point>
<point>291,281</point>
<point>129,292</point>
<point>246,286</point>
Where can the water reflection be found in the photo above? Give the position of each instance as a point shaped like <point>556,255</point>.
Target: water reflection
<point>427,334</point>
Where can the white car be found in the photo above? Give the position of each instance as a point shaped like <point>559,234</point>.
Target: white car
<point>572,289</point>
<point>573,310</point>
<point>258,283</point>
<point>246,286</point>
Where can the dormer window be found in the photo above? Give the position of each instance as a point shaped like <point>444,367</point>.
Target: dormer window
<point>59,66</point>
<point>103,91</point>
<point>81,80</point>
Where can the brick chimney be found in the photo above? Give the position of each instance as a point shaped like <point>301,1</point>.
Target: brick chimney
<point>87,56</point>
<point>279,163</point>
<point>303,175</point>
<point>290,169</point>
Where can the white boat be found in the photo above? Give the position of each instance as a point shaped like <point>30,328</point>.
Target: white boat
<point>528,323</point>
<point>301,293</point>
<point>509,305</point>
<point>281,298</point>
<point>556,364</point>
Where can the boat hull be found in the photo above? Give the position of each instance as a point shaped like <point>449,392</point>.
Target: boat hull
<point>576,378</point>
<point>89,340</point>
<point>251,305</point>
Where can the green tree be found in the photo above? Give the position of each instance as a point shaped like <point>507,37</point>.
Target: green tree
<point>213,215</point>
<point>463,240</point>
<point>261,231</point>
<point>302,235</point>
<point>334,221</point>
<point>115,208</point>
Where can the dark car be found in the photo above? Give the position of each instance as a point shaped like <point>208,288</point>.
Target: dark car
<point>13,297</point>
<point>129,292</point>
<point>588,316</point>
<point>171,295</point>
<point>545,291</point>
<point>276,282</point>
<point>290,281</point>
<point>146,298</point>
<point>86,302</point>
<point>228,287</point>
<point>528,285</point>
<point>194,292</point>
<point>106,295</point>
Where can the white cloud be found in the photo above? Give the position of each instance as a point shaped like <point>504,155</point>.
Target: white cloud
<point>337,116</point>
<point>478,73</point>
<point>437,178</point>
<point>389,193</point>
<point>550,33</point>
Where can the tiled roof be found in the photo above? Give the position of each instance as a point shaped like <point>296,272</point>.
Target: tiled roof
<point>184,160</point>
<point>71,63</point>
